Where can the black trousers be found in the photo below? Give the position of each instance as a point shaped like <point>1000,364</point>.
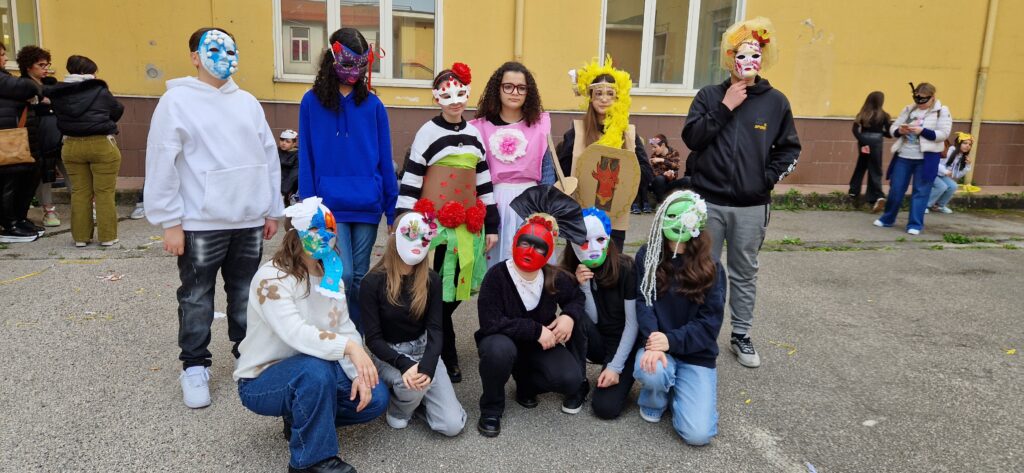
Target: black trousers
<point>449,354</point>
<point>13,205</point>
<point>872,163</point>
<point>641,193</point>
<point>535,370</point>
<point>660,188</point>
<point>608,402</point>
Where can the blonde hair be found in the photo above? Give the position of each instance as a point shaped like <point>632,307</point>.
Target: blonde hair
<point>420,282</point>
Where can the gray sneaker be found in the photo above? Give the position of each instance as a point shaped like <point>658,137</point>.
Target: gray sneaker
<point>138,213</point>
<point>744,350</point>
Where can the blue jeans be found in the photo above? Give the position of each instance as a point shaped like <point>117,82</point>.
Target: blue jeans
<point>922,172</point>
<point>942,191</point>
<point>313,393</point>
<point>355,240</point>
<point>694,397</point>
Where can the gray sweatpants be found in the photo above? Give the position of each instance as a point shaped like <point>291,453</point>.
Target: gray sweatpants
<point>444,412</point>
<point>744,228</point>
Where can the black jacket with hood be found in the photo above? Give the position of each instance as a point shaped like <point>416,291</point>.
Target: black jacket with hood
<point>14,95</point>
<point>739,155</point>
<point>85,108</point>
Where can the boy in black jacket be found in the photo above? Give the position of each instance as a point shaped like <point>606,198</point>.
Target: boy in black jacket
<point>744,142</point>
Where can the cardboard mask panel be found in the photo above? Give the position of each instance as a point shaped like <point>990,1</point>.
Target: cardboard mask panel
<point>608,180</point>
<point>443,184</point>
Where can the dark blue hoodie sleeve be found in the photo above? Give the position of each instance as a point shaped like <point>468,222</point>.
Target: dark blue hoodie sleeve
<point>701,333</point>
<point>706,118</point>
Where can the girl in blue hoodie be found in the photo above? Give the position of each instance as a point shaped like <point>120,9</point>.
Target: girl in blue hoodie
<point>345,156</point>
<point>679,311</point>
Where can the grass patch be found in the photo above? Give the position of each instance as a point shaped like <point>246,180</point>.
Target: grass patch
<point>901,239</point>
<point>1011,246</point>
<point>936,247</point>
<point>791,241</point>
<point>956,238</point>
<point>835,248</point>
<point>3,246</point>
<point>1016,238</point>
<point>984,240</point>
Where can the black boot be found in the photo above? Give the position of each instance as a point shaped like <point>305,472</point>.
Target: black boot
<point>330,465</point>
<point>489,426</point>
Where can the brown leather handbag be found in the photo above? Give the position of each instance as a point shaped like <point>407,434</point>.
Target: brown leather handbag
<point>14,144</point>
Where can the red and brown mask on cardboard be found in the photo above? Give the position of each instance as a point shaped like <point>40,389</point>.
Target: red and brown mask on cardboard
<point>534,243</point>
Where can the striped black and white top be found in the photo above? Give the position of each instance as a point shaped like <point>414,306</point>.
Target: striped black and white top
<point>435,140</point>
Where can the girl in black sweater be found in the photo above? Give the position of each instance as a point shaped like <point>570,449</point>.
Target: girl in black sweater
<point>680,314</point>
<point>870,127</point>
<point>401,309</point>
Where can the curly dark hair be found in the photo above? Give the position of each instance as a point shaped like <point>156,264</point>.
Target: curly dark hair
<point>30,55</point>
<point>489,106</point>
<point>698,273</point>
<point>326,84</point>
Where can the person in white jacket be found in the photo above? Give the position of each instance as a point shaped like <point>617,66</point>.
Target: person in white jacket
<point>213,182</point>
<point>302,358</point>
<point>954,167</point>
<point>920,131</point>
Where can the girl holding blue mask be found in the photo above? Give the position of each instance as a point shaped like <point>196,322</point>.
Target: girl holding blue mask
<point>345,156</point>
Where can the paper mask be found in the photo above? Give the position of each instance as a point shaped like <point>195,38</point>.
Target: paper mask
<point>684,218</point>
<point>533,245</point>
<point>218,54</point>
<point>599,227</point>
<point>748,60</point>
<point>451,91</point>
<point>318,232</point>
<point>349,66</point>
<point>412,239</point>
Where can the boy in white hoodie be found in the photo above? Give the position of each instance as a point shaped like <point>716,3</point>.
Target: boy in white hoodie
<point>213,182</point>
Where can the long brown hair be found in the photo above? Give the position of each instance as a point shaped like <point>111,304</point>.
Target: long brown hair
<point>871,113</point>
<point>419,285</point>
<point>290,258</point>
<point>698,273</point>
<point>591,124</point>
<point>608,274</point>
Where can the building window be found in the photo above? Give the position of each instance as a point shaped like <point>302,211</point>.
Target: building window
<point>19,26</point>
<point>405,32</point>
<point>668,45</point>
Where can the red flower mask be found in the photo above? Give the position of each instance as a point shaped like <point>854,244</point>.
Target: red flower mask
<point>534,243</point>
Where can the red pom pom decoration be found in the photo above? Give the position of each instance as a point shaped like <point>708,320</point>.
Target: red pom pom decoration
<point>537,219</point>
<point>424,206</point>
<point>462,71</point>
<point>452,214</point>
<point>475,218</point>
<point>336,47</point>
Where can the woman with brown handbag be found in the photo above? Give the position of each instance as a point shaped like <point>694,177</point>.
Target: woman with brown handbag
<point>14,94</point>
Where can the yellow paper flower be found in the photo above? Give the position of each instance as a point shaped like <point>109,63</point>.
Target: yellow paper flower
<point>758,29</point>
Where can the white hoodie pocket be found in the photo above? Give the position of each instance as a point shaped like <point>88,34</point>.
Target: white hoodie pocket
<point>237,194</point>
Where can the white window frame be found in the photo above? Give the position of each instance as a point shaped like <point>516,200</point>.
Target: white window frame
<point>382,78</point>
<point>291,36</point>
<point>644,84</point>
<point>16,45</point>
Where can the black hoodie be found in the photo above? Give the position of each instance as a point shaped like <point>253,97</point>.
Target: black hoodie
<point>85,108</point>
<point>739,155</point>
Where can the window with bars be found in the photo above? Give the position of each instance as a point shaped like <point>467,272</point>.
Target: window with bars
<point>405,32</point>
<point>668,45</point>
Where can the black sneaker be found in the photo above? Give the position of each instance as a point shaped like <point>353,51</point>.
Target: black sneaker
<point>15,234</point>
<point>489,426</point>
<point>528,402</point>
<point>574,404</point>
<point>31,227</point>
<point>744,350</point>
<point>330,465</point>
<point>648,209</point>
<point>455,374</point>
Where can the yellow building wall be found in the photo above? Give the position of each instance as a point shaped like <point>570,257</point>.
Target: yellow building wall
<point>832,53</point>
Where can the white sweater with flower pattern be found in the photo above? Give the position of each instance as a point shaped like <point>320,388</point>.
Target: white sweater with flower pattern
<point>285,319</point>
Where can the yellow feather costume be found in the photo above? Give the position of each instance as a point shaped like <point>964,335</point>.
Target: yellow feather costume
<point>616,119</point>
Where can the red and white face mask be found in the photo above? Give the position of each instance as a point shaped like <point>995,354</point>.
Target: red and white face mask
<point>451,91</point>
<point>533,245</point>
<point>748,60</point>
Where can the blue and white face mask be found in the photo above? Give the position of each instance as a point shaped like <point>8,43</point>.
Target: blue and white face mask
<point>218,54</point>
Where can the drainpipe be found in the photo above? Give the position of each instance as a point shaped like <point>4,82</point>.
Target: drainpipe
<point>517,47</point>
<point>979,92</point>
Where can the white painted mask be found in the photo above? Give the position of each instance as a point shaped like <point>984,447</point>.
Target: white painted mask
<point>451,91</point>
<point>748,60</point>
<point>218,54</point>
<point>412,237</point>
<point>593,253</point>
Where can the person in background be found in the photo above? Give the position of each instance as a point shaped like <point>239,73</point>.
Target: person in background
<point>870,127</point>
<point>665,164</point>
<point>14,96</point>
<point>43,135</point>
<point>642,202</point>
<point>288,152</point>
<point>87,115</point>
<point>954,167</point>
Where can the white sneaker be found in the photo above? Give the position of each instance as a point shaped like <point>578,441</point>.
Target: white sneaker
<point>745,352</point>
<point>110,243</point>
<point>878,223</point>
<point>913,231</point>
<point>138,213</point>
<point>195,385</point>
<point>927,211</point>
<point>945,210</point>
<point>395,422</point>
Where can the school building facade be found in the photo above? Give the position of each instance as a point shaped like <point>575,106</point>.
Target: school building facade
<point>832,54</point>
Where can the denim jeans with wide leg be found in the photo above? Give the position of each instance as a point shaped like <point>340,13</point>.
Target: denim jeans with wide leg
<point>355,241</point>
<point>942,191</point>
<point>236,254</point>
<point>694,391</point>
<point>922,172</point>
<point>314,394</point>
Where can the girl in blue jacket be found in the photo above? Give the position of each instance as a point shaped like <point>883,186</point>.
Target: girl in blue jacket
<point>680,310</point>
<point>345,156</point>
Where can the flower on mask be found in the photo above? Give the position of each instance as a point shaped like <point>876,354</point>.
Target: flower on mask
<point>508,144</point>
<point>267,291</point>
<point>462,72</point>
<point>690,219</point>
<point>475,217</point>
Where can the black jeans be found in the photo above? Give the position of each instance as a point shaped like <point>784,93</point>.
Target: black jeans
<point>641,199</point>
<point>236,254</point>
<point>449,354</point>
<point>660,187</point>
<point>872,163</point>
<point>535,370</point>
<point>608,402</point>
<point>13,205</point>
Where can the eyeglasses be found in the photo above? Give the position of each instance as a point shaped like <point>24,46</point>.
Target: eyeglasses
<point>508,88</point>
<point>42,65</point>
